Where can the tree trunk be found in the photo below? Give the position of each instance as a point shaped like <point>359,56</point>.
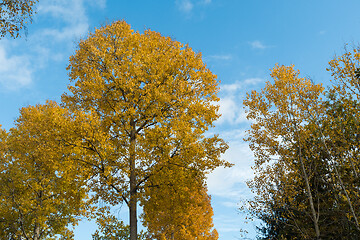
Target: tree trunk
<point>36,232</point>
<point>37,227</point>
<point>347,197</point>
<point>311,201</point>
<point>133,190</point>
<point>317,122</point>
<point>341,182</point>
<point>308,189</point>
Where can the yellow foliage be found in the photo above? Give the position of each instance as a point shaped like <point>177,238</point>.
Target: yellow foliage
<point>14,14</point>
<point>143,100</point>
<point>282,116</point>
<point>42,188</point>
<point>177,206</point>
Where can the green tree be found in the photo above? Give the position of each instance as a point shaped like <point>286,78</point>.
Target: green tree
<point>145,100</point>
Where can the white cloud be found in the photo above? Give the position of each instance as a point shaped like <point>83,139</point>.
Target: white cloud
<point>252,81</point>
<point>231,99</point>
<point>231,87</point>
<point>230,204</point>
<point>71,13</point>
<point>98,3</point>
<point>185,5</point>
<point>66,32</point>
<point>233,125</point>
<point>225,57</point>
<point>230,225</point>
<point>231,110</point>
<point>238,85</point>
<point>230,103</point>
<point>257,45</point>
<point>228,110</point>
<point>15,71</point>
<point>235,177</point>
<point>66,22</point>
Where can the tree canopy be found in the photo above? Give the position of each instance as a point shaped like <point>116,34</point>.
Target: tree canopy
<point>42,191</point>
<point>306,147</point>
<point>146,102</point>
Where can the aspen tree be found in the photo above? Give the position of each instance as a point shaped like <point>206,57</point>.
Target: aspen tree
<point>279,131</point>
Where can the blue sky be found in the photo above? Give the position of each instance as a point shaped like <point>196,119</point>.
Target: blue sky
<point>240,41</point>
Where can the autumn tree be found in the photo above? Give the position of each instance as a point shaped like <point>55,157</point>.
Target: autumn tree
<point>286,213</point>
<point>344,147</point>
<point>306,151</point>
<point>14,15</point>
<point>279,132</point>
<point>177,206</point>
<point>111,228</point>
<point>42,192</point>
<point>145,100</point>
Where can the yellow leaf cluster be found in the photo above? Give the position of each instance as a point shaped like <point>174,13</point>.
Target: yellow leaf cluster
<point>42,188</point>
<point>14,15</point>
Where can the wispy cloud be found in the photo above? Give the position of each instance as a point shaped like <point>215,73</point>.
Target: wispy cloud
<point>230,204</point>
<point>231,97</point>
<point>67,20</point>
<point>188,6</point>
<point>231,87</point>
<point>98,3</point>
<point>71,13</point>
<point>252,81</point>
<point>231,111</point>
<point>257,45</point>
<point>15,70</point>
<point>235,177</point>
<point>185,6</point>
<point>223,57</point>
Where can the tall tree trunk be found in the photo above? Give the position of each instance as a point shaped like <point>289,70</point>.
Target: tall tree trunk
<point>340,181</point>
<point>37,226</point>
<point>133,190</point>
<point>36,232</point>
<point>347,197</point>
<point>311,200</point>
<point>317,122</point>
<point>314,214</point>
